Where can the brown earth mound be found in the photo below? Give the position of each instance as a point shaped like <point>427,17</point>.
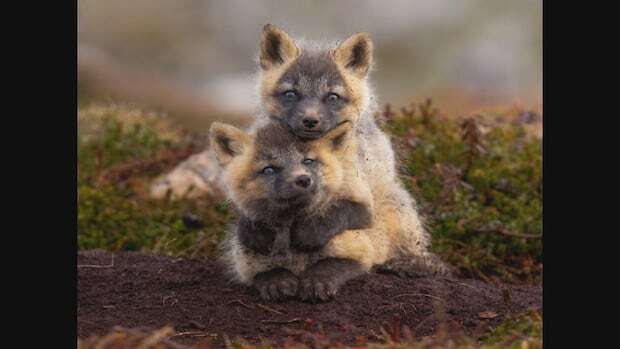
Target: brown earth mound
<point>137,290</point>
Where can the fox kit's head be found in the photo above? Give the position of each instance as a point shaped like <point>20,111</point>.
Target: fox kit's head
<point>270,172</point>
<point>313,89</point>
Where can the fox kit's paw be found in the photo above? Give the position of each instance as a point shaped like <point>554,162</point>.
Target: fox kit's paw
<point>440,268</point>
<point>317,289</point>
<point>417,266</point>
<point>276,284</point>
<point>321,281</point>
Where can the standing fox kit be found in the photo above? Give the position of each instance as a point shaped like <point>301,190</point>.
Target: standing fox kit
<point>311,94</point>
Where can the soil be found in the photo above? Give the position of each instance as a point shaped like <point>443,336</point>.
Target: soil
<point>194,296</point>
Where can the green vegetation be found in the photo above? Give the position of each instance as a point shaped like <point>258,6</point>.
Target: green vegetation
<point>479,187</point>
<point>520,332</point>
<point>118,216</point>
<point>480,192</point>
<point>524,327</point>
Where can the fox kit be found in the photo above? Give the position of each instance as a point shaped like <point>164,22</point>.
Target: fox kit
<point>312,89</point>
<point>293,197</point>
<point>308,92</point>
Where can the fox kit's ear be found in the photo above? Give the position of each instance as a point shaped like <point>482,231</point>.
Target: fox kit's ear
<point>355,54</point>
<point>338,138</point>
<point>276,47</point>
<point>227,141</point>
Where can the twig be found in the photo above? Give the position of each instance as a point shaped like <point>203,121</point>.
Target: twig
<point>423,321</point>
<point>400,305</point>
<point>483,276</point>
<point>240,302</point>
<point>418,294</point>
<point>459,283</point>
<point>97,266</point>
<point>193,334</point>
<point>269,309</point>
<point>504,231</point>
<point>280,321</point>
<point>197,324</point>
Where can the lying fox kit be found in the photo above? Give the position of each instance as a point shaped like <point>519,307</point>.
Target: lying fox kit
<point>292,195</point>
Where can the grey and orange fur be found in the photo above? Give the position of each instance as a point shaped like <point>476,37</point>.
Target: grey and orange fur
<point>313,73</point>
<point>274,211</point>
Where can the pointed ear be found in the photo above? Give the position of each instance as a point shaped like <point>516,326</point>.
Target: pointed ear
<point>276,47</point>
<point>227,141</point>
<point>338,138</point>
<point>355,54</point>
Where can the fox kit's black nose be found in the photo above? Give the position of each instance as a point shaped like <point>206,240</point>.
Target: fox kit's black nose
<point>310,122</point>
<point>303,181</point>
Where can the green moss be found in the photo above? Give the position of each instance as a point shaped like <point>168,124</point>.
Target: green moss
<point>475,190</point>
<point>469,185</point>
<point>114,145</point>
<point>524,331</point>
<point>462,191</point>
<point>524,327</point>
<point>117,217</point>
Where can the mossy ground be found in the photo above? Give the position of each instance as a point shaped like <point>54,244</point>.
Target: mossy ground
<point>478,184</point>
<point>522,332</point>
<point>119,215</point>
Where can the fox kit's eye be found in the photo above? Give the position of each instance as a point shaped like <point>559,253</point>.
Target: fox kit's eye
<point>308,161</point>
<point>268,170</point>
<point>290,95</point>
<point>332,97</point>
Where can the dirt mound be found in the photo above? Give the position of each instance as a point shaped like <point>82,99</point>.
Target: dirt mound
<point>137,290</point>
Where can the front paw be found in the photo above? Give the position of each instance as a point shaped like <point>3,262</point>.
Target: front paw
<point>426,265</point>
<point>276,284</point>
<point>317,289</point>
<point>322,280</point>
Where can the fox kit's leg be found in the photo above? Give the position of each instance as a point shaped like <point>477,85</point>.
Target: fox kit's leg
<point>260,248</point>
<point>273,282</point>
<point>309,234</point>
<point>243,263</point>
<point>276,284</point>
<point>256,236</point>
<point>427,264</point>
<point>412,257</point>
<point>322,280</point>
<point>346,256</point>
<point>281,249</point>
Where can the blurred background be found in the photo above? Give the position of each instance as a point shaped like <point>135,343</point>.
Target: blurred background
<point>153,74</point>
<point>194,57</point>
